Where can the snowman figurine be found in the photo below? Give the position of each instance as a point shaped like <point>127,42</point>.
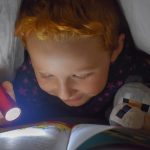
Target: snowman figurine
<point>132,106</point>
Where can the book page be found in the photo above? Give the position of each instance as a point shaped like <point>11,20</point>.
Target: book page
<point>44,137</point>
<point>110,139</point>
<point>80,133</point>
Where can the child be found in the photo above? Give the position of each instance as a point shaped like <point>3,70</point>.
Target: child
<point>77,58</point>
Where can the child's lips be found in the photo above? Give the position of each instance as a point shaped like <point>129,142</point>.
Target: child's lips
<point>74,99</point>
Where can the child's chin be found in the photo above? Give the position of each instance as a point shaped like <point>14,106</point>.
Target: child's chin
<point>75,103</point>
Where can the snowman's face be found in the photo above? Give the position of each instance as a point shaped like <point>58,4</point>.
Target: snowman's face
<point>138,104</point>
<point>134,94</point>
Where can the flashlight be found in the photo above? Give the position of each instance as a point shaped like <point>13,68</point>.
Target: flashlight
<point>8,106</point>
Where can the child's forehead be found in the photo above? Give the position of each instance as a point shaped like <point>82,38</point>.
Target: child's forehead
<point>83,51</point>
<point>80,44</point>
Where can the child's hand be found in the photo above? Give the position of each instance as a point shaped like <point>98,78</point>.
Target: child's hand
<point>9,89</point>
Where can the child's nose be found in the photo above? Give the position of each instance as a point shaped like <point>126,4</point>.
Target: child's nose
<point>65,92</point>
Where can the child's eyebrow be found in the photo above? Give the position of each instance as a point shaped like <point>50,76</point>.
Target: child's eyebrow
<point>87,69</point>
<point>80,71</point>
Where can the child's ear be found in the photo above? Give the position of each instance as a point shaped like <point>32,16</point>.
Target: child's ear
<point>119,48</point>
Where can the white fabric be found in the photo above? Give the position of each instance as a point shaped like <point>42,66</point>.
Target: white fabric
<point>137,13</point>
<point>11,50</point>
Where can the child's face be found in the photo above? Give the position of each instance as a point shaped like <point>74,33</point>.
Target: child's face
<point>73,71</point>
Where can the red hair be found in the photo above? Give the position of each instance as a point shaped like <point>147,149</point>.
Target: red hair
<point>65,19</point>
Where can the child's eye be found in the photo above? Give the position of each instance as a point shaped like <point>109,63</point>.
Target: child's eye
<point>81,76</point>
<point>46,76</point>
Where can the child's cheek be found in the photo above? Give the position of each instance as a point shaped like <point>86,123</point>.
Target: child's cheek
<point>95,87</point>
<point>43,84</point>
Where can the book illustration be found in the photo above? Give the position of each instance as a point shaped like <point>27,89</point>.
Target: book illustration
<point>115,146</point>
<point>117,138</point>
<point>62,127</point>
<point>43,136</point>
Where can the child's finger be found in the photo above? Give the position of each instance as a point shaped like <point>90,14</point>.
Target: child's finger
<point>1,116</point>
<point>2,119</point>
<point>9,89</point>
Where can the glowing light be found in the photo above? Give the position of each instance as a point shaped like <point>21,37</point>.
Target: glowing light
<point>12,114</point>
<point>24,132</point>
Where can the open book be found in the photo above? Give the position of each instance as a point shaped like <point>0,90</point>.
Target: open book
<point>59,136</point>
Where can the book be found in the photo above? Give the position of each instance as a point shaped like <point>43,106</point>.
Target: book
<point>61,136</point>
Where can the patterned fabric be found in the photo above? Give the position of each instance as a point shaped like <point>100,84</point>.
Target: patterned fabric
<point>36,105</point>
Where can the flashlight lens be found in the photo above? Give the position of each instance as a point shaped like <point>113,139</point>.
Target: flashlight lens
<point>12,114</point>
